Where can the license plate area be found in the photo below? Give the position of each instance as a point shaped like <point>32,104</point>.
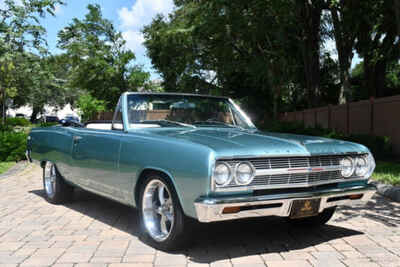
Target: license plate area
<point>305,208</point>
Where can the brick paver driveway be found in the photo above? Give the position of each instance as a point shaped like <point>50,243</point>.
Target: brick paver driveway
<point>93,231</point>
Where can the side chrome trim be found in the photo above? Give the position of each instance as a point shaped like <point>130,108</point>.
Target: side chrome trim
<point>210,209</point>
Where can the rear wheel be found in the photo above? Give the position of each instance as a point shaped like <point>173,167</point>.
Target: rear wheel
<point>56,189</point>
<point>161,216</point>
<point>318,220</point>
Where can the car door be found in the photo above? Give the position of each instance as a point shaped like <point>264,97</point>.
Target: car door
<point>95,155</point>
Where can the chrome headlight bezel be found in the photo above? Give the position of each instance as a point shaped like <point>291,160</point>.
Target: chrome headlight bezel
<point>252,172</point>
<point>371,164</point>
<point>351,167</point>
<point>229,174</point>
<point>361,166</point>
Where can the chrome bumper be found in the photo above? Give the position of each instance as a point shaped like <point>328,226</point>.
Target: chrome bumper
<point>211,209</point>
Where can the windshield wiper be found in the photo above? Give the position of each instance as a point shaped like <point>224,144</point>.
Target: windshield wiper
<point>170,122</point>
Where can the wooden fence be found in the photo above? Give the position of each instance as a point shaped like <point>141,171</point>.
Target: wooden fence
<point>379,117</point>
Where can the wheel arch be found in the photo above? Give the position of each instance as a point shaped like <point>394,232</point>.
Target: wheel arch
<point>149,170</point>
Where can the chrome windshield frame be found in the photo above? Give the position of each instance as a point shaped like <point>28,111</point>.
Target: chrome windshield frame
<point>233,107</point>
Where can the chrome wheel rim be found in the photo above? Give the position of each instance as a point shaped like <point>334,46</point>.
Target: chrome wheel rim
<point>158,210</point>
<point>50,179</point>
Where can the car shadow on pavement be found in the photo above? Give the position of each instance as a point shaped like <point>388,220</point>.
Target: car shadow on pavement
<point>230,239</point>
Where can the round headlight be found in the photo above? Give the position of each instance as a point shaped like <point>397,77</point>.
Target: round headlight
<point>244,173</point>
<point>347,167</point>
<point>362,166</point>
<point>222,174</point>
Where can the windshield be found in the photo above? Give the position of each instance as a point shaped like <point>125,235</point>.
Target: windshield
<point>163,110</point>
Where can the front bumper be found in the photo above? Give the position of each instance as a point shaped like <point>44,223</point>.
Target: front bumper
<point>211,209</point>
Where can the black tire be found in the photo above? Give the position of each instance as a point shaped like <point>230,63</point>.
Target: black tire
<point>318,220</point>
<point>61,192</point>
<point>176,238</point>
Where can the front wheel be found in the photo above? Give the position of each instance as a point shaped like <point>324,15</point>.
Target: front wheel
<point>318,220</point>
<point>56,189</point>
<point>161,216</point>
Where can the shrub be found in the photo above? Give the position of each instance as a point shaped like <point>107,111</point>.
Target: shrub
<point>12,145</point>
<point>89,106</point>
<point>47,124</point>
<point>5,127</point>
<point>18,122</point>
<point>380,146</point>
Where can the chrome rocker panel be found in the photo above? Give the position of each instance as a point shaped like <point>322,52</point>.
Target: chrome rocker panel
<point>210,209</point>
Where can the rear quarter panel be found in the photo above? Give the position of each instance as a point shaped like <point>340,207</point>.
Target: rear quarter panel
<point>55,144</point>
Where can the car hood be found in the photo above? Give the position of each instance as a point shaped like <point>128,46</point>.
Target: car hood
<point>235,142</point>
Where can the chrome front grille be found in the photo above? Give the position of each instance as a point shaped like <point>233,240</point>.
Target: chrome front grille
<point>291,162</point>
<point>297,178</point>
<point>281,172</point>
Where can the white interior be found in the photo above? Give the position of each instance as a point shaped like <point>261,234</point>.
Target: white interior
<point>99,126</point>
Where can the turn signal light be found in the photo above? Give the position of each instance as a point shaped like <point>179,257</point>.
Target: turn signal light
<point>228,210</point>
<point>358,196</point>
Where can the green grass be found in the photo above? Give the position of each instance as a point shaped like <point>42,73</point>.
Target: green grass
<point>387,172</point>
<point>4,166</point>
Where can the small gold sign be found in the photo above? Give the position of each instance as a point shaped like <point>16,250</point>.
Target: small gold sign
<point>307,206</point>
<point>304,208</point>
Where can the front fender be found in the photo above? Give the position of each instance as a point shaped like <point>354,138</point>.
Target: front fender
<point>187,165</point>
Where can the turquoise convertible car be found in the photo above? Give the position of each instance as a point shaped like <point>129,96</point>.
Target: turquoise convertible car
<point>180,156</point>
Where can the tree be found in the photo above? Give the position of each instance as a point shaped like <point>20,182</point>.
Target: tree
<point>392,81</point>
<point>20,31</point>
<point>308,15</point>
<point>397,11</point>
<point>7,82</point>
<point>377,42</point>
<point>89,106</point>
<point>100,63</point>
<point>268,53</point>
<point>224,46</point>
<point>344,16</point>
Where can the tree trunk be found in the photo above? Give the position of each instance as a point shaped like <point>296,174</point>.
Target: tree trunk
<point>369,76</point>
<point>397,11</point>
<point>310,21</point>
<point>275,108</point>
<point>34,114</point>
<point>345,86</point>
<point>345,58</point>
<point>380,77</point>
<point>3,107</point>
<point>344,40</point>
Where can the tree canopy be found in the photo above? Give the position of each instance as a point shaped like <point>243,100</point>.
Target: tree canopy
<point>94,63</point>
<point>270,53</point>
<point>99,62</point>
<point>21,44</point>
